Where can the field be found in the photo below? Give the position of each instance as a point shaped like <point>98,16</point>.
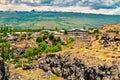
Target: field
<point>52,20</point>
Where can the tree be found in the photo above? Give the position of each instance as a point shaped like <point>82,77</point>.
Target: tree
<point>5,51</point>
<point>58,39</point>
<point>59,46</point>
<point>51,36</point>
<point>42,46</point>
<point>96,31</point>
<point>39,39</point>
<point>43,28</point>
<point>69,40</point>
<point>54,42</point>
<point>28,53</point>
<point>2,54</point>
<point>65,32</point>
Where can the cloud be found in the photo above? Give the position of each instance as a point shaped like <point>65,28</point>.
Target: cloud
<point>86,6</point>
<point>24,7</point>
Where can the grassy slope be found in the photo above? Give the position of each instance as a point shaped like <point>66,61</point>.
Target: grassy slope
<point>54,19</point>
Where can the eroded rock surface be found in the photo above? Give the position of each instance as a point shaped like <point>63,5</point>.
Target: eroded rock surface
<point>4,70</point>
<point>74,69</point>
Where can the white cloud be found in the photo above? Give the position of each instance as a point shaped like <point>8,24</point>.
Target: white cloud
<point>24,7</point>
<point>85,6</point>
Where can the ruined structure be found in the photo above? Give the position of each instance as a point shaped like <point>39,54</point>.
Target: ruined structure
<point>80,33</point>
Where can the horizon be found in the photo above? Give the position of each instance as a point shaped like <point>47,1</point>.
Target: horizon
<point>61,12</point>
<point>108,7</point>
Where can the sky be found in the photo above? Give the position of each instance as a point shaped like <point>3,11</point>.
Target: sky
<point>108,7</point>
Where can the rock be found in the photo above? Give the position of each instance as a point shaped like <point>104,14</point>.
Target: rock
<point>27,67</point>
<point>73,69</point>
<point>16,76</point>
<point>46,75</point>
<point>4,70</point>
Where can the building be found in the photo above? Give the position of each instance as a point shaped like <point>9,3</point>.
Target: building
<point>81,33</point>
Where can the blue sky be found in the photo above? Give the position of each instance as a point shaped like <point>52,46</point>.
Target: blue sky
<point>86,6</point>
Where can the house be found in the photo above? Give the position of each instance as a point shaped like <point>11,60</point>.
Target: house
<point>81,33</point>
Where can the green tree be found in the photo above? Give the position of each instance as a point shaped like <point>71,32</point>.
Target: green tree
<point>69,40</point>
<point>96,31</point>
<point>39,39</point>
<point>51,36</point>
<point>2,54</point>
<point>43,45</point>
<point>28,53</point>
<point>65,32</point>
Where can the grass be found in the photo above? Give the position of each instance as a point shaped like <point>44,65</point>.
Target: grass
<point>36,20</point>
<point>34,74</point>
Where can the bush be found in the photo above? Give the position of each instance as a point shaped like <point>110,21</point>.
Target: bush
<point>59,46</point>
<point>65,32</point>
<point>96,31</point>
<point>51,36</point>
<point>39,39</point>
<point>42,46</point>
<point>53,48</point>
<point>18,64</point>
<point>5,51</point>
<point>2,40</point>
<point>29,53</point>
<point>45,37</point>
<point>69,40</point>
<point>54,42</point>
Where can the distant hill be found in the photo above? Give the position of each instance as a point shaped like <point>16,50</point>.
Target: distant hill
<point>37,20</point>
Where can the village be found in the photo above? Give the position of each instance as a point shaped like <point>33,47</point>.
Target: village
<point>82,38</point>
<point>26,50</point>
<point>19,41</point>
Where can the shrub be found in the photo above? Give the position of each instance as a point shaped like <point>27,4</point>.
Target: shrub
<point>39,39</point>
<point>59,46</point>
<point>53,48</point>
<point>54,42</point>
<point>2,40</point>
<point>29,53</point>
<point>69,40</point>
<point>51,36</point>
<point>65,32</point>
<point>42,46</point>
<point>58,39</point>
<point>96,31</point>
<point>45,37</point>
<point>19,64</point>
<point>5,51</point>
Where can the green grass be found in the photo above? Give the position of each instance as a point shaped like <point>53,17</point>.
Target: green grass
<point>36,20</point>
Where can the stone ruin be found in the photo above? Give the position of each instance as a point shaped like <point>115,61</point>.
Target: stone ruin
<point>74,69</point>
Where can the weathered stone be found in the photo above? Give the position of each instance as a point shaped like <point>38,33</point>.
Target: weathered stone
<point>16,76</point>
<point>73,69</point>
<point>4,70</point>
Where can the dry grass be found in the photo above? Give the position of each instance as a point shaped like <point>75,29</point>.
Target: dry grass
<point>34,74</point>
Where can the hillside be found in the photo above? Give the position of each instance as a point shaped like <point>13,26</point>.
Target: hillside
<point>51,20</point>
<point>110,27</point>
<point>102,53</point>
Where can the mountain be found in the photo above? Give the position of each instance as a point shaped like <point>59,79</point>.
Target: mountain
<point>35,19</point>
